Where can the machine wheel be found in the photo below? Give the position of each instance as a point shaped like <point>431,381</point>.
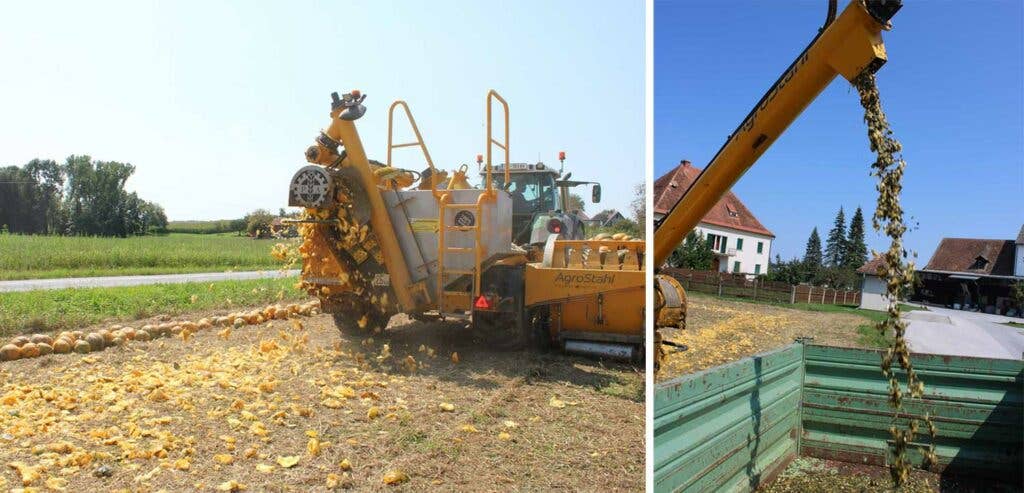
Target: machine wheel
<point>349,309</point>
<point>501,333</point>
<point>539,325</point>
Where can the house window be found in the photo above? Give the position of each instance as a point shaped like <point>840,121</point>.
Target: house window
<point>736,266</point>
<point>757,269</point>
<point>717,242</point>
<point>732,210</point>
<point>979,263</point>
<point>760,246</point>
<point>739,244</point>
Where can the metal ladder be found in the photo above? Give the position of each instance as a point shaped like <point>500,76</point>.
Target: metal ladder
<point>450,301</point>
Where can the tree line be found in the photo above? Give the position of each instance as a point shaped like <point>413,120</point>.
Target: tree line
<point>79,197</point>
<point>834,266</point>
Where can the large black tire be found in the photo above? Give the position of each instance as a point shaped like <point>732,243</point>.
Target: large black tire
<point>349,309</point>
<point>502,331</point>
<point>539,327</point>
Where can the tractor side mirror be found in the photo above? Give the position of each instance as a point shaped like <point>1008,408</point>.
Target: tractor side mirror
<point>595,193</point>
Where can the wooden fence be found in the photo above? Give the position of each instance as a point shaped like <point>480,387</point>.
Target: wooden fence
<point>758,289</point>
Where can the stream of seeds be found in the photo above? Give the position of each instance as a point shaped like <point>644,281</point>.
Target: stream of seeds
<point>898,274</point>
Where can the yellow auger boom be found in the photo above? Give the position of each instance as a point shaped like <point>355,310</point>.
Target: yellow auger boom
<point>848,45</point>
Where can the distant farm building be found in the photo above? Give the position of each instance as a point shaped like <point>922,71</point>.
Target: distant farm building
<point>974,274</point>
<point>605,218</point>
<point>873,289</point>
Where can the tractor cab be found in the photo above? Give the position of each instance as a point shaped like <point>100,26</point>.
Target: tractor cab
<point>540,202</point>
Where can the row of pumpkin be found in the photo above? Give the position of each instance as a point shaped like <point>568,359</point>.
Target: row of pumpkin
<point>77,341</point>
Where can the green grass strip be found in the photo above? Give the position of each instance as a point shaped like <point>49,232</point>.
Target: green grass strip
<point>70,309</point>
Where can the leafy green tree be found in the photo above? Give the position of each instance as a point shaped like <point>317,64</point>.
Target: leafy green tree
<point>575,203</point>
<point>240,225</point>
<point>80,197</point>
<point>693,253</point>
<point>30,197</point>
<point>835,244</point>
<point>623,226</point>
<point>791,272</point>
<point>154,219</point>
<point>96,203</point>
<point>257,223</point>
<point>856,245</point>
<point>1017,293</point>
<point>639,206</point>
<point>836,277</point>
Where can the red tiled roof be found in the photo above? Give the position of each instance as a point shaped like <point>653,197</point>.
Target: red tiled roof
<point>973,256</point>
<point>729,212</point>
<point>871,266</point>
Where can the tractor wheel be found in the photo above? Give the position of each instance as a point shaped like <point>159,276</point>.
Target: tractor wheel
<point>502,331</point>
<point>354,316</point>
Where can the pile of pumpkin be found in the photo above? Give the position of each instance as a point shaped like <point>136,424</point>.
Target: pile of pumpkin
<point>79,342</point>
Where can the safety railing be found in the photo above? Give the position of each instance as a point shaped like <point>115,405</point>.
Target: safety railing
<point>419,142</point>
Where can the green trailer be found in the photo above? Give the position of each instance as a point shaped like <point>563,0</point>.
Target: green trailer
<point>736,426</point>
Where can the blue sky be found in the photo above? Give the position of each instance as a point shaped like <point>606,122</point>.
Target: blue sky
<point>952,90</point>
<point>215,102</point>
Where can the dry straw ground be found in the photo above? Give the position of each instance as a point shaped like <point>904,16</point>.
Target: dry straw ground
<point>721,330</point>
<point>286,406</point>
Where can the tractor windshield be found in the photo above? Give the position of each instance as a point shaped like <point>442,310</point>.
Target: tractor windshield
<point>531,192</point>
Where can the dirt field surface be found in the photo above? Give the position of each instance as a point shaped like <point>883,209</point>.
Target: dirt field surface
<point>810,475</point>
<point>719,331</point>
<point>290,405</point>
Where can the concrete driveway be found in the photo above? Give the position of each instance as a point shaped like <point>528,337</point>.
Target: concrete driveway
<point>111,281</point>
<point>955,332</point>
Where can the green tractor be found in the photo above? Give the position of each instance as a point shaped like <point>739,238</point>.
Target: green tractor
<point>540,202</point>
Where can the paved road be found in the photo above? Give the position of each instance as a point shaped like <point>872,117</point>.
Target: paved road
<point>954,332</point>
<point>111,281</point>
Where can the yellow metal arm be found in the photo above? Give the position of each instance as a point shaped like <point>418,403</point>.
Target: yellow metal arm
<point>343,130</point>
<point>848,46</point>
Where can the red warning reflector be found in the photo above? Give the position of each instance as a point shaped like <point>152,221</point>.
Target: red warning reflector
<point>482,303</point>
<point>561,155</point>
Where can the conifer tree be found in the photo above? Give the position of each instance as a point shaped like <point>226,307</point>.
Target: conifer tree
<point>835,244</point>
<point>856,246</point>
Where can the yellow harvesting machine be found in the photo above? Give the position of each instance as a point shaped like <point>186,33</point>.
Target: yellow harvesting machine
<point>848,45</point>
<point>378,240</point>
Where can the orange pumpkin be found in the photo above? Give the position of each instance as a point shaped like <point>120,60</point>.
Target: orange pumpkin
<point>44,348</point>
<point>20,341</point>
<point>41,338</point>
<point>10,352</point>
<point>61,346</point>
<point>82,347</point>
<point>29,350</point>
<point>96,341</point>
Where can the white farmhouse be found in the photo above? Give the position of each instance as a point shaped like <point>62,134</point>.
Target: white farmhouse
<point>740,242</point>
